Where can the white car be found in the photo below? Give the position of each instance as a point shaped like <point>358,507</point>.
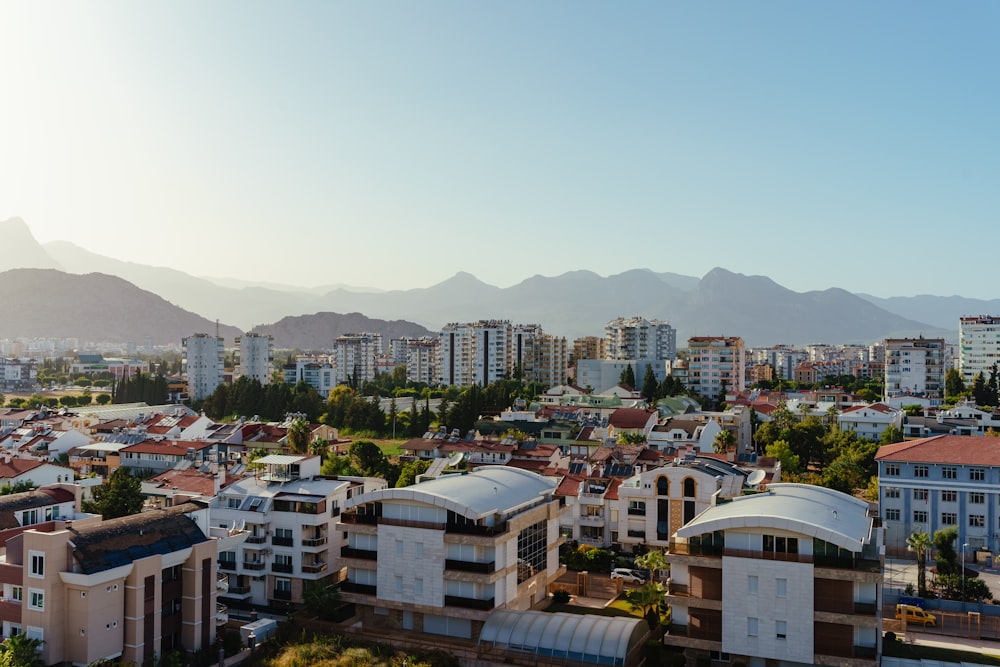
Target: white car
<point>627,575</point>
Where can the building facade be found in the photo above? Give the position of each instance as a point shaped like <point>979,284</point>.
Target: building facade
<point>474,352</point>
<point>979,346</point>
<point>640,339</point>
<point>204,359</point>
<point>716,363</point>
<point>439,556</point>
<point>789,576</point>
<point>255,357</point>
<point>355,355</point>
<point>915,367</point>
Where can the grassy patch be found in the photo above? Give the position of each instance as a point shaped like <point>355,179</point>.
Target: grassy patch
<point>898,649</point>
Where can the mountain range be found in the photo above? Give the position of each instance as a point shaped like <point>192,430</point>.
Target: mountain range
<point>573,304</point>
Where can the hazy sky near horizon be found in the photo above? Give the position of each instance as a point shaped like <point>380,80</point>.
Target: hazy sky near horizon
<point>392,144</point>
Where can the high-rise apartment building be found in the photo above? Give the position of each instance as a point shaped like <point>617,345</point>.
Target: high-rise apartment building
<point>914,367</point>
<point>255,356</point>
<point>979,346</point>
<point>355,356</point>
<point>588,347</point>
<point>538,356</point>
<point>419,355</point>
<point>716,363</point>
<point>639,339</point>
<point>204,358</point>
<point>474,352</point>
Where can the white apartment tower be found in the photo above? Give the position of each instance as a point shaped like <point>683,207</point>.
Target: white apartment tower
<point>474,352</point>
<point>355,354</point>
<point>716,362</point>
<point>255,356</point>
<point>204,357</point>
<point>541,357</point>
<point>979,345</point>
<point>914,367</point>
<point>636,338</point>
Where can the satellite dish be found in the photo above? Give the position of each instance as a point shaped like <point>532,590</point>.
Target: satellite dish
<point>755,478</point>
<point>455,459</point>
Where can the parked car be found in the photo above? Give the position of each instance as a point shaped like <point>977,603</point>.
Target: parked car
<point>915,614</point>
<point>627,575</point>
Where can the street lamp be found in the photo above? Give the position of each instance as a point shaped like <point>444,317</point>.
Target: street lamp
<point>964,547</point>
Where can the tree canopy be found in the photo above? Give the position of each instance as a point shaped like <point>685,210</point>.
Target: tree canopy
<point>120,495</point>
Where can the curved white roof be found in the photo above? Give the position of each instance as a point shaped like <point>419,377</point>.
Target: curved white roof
<point>575,637</point>
<point>485,491</point>
<point>815,511</point>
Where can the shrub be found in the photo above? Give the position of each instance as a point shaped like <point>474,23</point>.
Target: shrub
<point>560,597</point>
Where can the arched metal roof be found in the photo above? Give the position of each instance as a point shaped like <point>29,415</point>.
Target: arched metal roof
<point>575,638</point>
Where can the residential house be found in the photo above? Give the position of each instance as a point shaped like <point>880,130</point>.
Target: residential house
<point>439,556</point>
<point>870,421</point>
<point>791,575</point>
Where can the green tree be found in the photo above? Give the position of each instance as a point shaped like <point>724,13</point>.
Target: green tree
<point>409,471</point>
<point>953,586</point>
<point>103,399</point>
<point>980,393</point>
<point>649,385</point>
<point>336,465</point>
<point>370,459</point>
<point>891,435</point>
<point>297,435</point>
<point>954,384</point>
<point>321,599</point>
<point>724,441</point>
<point>781,450</point>
<point>627,377</point>
<point>120,495</point>
<point>67,401</point>
<point>21,651</point>
<point>919,543</point>
<point>944,543</point>
<point>19,487</point>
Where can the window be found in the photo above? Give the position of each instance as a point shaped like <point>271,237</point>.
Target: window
<point>949,496</point>
<point>977,520</point>
<point>752,584</point>
<point>283,585</point>
<point>892,469</point>
<point>780,629</point>
<point>920,494</point>
<point>949,472</point>
<point>949,518</point>
<point>399,584</point>
<point>52,513</point>
<point>36,599</point>
<point>399,547</point>
<point>781,544</point>
<point>977,474</point>
<point>892,492</point>
<point>37,561</point>
<point>919,516</point>
<point>418,586</point>
<point>977,498</point>
<point>29,517</point>
<point>781,588</point>
<point>751,627</point>
<point>920,471</point>
<point>16,593</point>
<point>419,550</point>
<point>892,515</point>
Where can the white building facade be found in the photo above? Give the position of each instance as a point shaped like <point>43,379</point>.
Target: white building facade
<point>639,338</point>
<point>979,346</point>
<point>255,357</point>
<point>204,358</point>
<point>355,356</point>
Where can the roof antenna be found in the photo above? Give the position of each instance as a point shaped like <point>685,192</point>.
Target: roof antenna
<point>217,327</point>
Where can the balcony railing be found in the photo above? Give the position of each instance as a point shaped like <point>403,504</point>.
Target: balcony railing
<point>469,566</point>
<point>364,589</point>
<point>476,529</point>
<point>281,595</point>
<point>254,565</point>
<point>227,565</point>
<point>285,568</point>
<point>238,590</point>
<point>221,614</point>
<point>314,541</point>
<point>637,533</point>
<point>351,552</point>
<point>866,608</point>
<point>354,517</point>
<point>313,568</point>
<point>256,539</point>
<point>222,582</point>
<point>468,603</point>
<point>283,541</point>
<point>637,511</point>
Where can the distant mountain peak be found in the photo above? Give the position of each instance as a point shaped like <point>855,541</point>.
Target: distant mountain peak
<point>21,250</point>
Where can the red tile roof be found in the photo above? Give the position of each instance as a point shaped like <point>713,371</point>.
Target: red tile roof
<point>569,486</point>
<point>168,447</point>
<point>957,449</point>
<point>630,417</point>
<point>190,480</point>
<point>877,407</point>
<point>16,467</point>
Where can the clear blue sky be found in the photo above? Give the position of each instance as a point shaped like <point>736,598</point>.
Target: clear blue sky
<point>392,144</point>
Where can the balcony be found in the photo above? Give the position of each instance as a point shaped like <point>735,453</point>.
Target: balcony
<point>314,568</point>
<point>254,565</point>
<point>476,529</point>
<point>637,511</point>
<point>257,539</point>
<point>284,568</point>
<point>222,582</point>
<point>221,614</point>
<point>283,541</point>
<point>351,552</point>
<point>590,520</point>
<point>470,566</point>
<point>238,591</point>
<point>281,595</point>
<point>468,603</point>
<point>363,589</point>
<point>688,549</point>
<point>314,542</point>
<point>354,517</point>
<point>227,565</point>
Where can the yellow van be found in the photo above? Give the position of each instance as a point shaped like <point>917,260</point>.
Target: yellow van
<point>915,614</point>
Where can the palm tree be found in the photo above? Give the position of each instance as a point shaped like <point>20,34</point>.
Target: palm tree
<point>919,542</point>
<point>724,441</point>
<point>20,651</point>
<point>298,436</point>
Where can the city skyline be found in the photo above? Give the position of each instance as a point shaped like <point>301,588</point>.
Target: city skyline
<point>404,146</point>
